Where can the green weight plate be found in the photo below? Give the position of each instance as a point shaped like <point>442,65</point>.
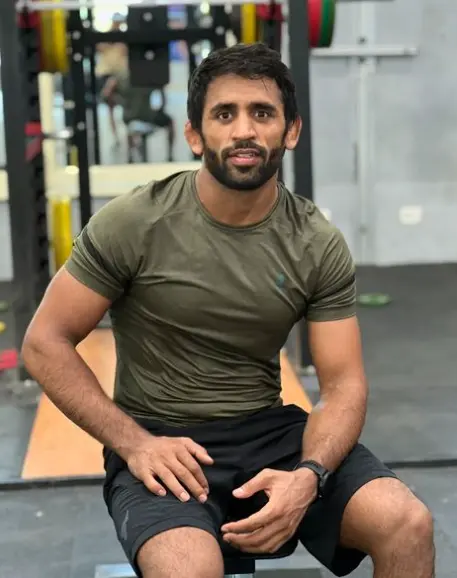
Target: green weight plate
<point>327,23</point>
<point>4,306</point>
<point>374,299</point>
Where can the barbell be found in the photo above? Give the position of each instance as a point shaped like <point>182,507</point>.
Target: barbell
<point>51,16</point>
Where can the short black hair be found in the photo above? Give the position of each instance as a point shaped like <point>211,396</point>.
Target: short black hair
<point>253,61</point>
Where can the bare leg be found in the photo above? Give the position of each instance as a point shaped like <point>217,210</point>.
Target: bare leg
<point>181,552</point>
<point>386,521</point>
<point>112,121</point>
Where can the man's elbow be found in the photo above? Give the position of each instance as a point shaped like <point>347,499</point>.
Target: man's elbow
<point>33,346</point>
<point>37,345</point>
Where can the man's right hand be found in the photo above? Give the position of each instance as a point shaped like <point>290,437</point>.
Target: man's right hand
<point>176,462</point>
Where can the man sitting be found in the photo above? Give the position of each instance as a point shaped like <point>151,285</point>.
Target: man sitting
<point>205,274</point>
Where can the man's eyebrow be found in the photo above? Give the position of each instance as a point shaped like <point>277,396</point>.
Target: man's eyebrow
<point>223,106</point>
<point>253,105</point>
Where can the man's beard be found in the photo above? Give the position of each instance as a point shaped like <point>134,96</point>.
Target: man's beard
<point>243,178</point>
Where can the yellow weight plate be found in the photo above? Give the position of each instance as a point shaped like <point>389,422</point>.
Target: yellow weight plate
<point>60,39</point>
<point>248,23</point>
<point>46,47</point>
<point>61,226</point>
<point>53,41</point>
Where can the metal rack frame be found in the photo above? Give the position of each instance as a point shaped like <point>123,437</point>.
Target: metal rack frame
<point>299,54</point>
<point>25,165</point>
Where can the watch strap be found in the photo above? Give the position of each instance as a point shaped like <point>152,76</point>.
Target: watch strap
<point>321,473</point>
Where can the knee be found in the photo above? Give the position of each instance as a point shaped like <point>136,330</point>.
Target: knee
<point>415,522</point>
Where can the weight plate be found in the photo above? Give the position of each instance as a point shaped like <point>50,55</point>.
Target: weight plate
<point>53,41</point>
<point>2,327</point>
<point>374,299</point>
<point>4,306</point>
<point>60,41</point>
<point>327,23</point>
<point>248,23</point>
<point>46,47</point>
<point>314,21</point>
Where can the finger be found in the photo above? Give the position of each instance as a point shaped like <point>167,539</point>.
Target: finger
<point>172,483</point>
<point>152,484</point>
<point>261,518</point>
<point>263,541</point>
<point>184,475</point>
<point>254,485</point>
<point>255,538</point>
<point>194,468</point>
<point>198,451</point>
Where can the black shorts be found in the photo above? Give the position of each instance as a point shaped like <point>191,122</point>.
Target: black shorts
<point>240,448</point>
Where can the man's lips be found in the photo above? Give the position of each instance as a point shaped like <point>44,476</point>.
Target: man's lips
<point>244,153</point>
<point>244,157</point>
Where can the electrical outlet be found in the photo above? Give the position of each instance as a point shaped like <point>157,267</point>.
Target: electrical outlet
<point>327,214</point>
<point>411,214</point>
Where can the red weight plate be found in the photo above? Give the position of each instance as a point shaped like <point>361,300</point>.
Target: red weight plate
<point>315,21</point>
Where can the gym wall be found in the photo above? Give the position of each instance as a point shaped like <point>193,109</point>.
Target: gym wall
<point>411,133</point>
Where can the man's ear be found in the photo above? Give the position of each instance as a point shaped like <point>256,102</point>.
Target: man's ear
<point>293,134</point>
<point>194,139</point>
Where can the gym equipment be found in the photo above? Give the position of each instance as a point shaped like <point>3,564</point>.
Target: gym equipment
<point>8,359</point>
<point>149,54</point>
<point>269,24</point>
<point>374,299</point>
<point>321,22</point>
<point>53,40</point>
<point>2,327</point>
<point>62,236</point>
<point>149,63</point>
<point>248,23</point>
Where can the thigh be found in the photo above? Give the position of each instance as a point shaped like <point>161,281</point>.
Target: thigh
<point>139,515</point>
<point>321,528</point>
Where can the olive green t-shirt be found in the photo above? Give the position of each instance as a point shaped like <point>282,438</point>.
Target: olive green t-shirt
<point>201,310</point>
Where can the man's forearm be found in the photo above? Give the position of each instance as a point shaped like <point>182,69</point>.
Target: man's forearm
<point>334,426</point>
<point>73,388</point>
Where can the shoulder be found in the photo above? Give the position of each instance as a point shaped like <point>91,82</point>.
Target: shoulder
<point>311,225</point>
<point>144,205</point>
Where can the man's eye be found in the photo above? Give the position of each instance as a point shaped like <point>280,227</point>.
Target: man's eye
<point>224,115</point>
<point>263,113</point>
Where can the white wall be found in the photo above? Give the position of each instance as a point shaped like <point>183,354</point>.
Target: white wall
<point>411,132</point>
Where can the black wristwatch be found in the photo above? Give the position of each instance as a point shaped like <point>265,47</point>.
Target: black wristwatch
<point>321,473</point>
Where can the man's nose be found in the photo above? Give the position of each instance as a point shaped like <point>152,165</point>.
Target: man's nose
<point>243,128</point>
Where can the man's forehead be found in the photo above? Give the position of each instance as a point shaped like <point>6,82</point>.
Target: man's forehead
<point>239,90</point>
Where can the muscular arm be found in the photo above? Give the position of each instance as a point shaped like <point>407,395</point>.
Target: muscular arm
<point>103,261</point>
<point>68,312</point>
<point>335,424</point>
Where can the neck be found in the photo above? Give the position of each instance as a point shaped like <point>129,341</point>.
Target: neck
<point>235,208</point>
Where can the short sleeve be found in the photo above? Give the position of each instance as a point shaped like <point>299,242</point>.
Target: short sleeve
<point>105,255</point>
<point>334,295</point>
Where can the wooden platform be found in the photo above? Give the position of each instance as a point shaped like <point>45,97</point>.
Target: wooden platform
<point>58,448</point>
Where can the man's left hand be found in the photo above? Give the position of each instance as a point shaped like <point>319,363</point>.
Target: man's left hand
<point>289,496</point>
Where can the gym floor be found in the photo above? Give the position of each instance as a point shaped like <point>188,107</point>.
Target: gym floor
<point>410,360</point>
